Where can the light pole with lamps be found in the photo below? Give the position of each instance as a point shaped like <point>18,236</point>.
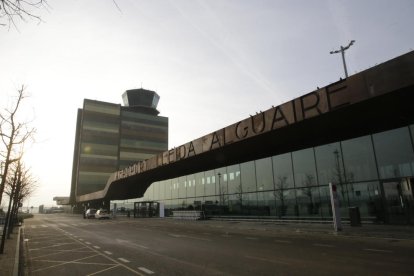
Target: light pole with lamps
<point>342,51</point>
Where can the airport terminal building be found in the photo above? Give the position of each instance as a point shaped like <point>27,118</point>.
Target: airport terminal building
<point>357,133</point>
<point>110,137</point>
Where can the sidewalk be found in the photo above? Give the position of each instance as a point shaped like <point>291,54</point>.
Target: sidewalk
<point>403,232</point>
<point>9,260</point>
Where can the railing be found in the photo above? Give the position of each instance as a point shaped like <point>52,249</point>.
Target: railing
<point>190,215</point>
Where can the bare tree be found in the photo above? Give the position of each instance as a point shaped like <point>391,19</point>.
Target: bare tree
<point>13,183</point>
<point>10,10</point>
<point>279,194</point>
<point>13,134</point>
<point>18,188</point>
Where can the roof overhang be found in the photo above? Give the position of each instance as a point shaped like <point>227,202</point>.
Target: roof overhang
<point>374,100</point>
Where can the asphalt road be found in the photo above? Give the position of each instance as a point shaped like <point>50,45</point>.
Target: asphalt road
<point>71,245</point>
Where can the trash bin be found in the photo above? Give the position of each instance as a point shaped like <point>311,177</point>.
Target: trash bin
<point>354,216</point>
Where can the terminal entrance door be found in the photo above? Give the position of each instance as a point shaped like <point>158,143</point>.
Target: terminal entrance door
<point>399,201</point>
<point>146,209</point>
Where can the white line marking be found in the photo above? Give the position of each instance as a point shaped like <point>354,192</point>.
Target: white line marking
<point>123,260</point>
<point>108,253</point>
<point>33,226</point>
<point>146,270</point>
<point>250,238</point>
<point>97,247</point>
<point>378,250</point>
<point>177,236</point>
<point>81,239</point>
<point>44,226</point>
<point>267,260</point>
<point>87,242</point>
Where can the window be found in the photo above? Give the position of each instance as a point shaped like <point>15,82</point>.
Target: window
<point>191,185</point>
<point>304,168</point>
<point>182,191</point>
<point>359,159</point>
<point>309,203</point>
<point>266,203</point>
<point>394,153</point>
<point>210,183</point>
<point>248,177</point>
<point>264,174</point>
<point>221,186</point>
<point>329,164</point>
<point>367,197</point>
<point>174,188</point>
<point>233,176</point>
<point>283,174</point>
<point>167,188</point>
<point>199,182</point>
<point>286,203</point>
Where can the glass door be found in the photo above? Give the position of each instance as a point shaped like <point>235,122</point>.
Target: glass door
<point>399,202</point>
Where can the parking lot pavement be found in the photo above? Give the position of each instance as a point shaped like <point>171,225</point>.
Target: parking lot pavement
<point>53,251</point>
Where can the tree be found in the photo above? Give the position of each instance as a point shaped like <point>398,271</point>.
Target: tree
<point>279,194</point>
<point>10,10</point>
<point>14,135</point>
<point>18,187</point>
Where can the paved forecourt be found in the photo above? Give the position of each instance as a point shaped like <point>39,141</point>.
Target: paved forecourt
<point>53,251</point>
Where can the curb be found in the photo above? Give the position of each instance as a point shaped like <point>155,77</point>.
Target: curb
<point>17,255</point>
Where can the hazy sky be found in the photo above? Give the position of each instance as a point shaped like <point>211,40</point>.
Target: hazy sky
<point>213,62</point>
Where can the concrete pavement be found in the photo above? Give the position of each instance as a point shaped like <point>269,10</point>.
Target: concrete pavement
<point>9,259</point>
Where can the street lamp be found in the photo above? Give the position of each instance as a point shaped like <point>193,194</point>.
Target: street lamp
<point>342,51</point>
<point>219,184</point>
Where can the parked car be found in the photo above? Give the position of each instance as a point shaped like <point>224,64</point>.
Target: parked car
<point>90,213</point>
<point>102,214</point>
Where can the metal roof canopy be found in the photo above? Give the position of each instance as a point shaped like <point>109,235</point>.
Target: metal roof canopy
<point>374,100</point>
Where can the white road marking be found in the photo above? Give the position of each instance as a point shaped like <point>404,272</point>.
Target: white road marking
<point>378,250</point>
<point>177,235</point>
<point>87,242</point>
<point>123,260</point>
<point>146,270</point>
<point>96,247</point>
<point>108,253</point>
<point>130,243</point>
<point>188,237</point>
<point>251,238</point>
<point>33,226</point>
<point>44,226</point>
<point>81,239</point>
<point>62,224</point>
<point>267,260</point>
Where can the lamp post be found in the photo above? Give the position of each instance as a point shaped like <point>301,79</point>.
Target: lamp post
<point>342,51</point>
<point>220,192</point>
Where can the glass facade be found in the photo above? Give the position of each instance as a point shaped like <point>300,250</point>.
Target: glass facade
<point>295,184</point>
